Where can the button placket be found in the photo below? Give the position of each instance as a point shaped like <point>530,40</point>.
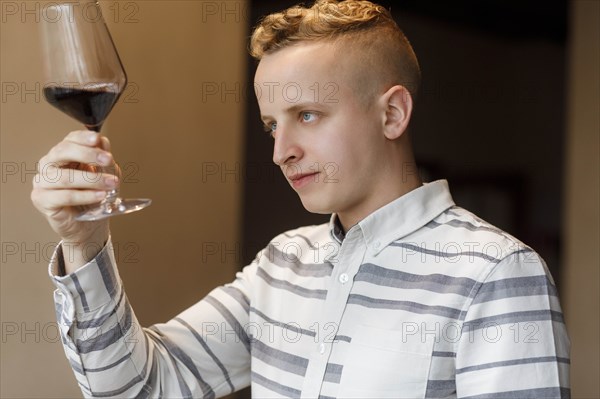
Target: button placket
<point>348,260</point>
<point>321,348</point>
<point>343,278</point>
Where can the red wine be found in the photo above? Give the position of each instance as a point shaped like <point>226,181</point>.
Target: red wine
<point>88,106</point>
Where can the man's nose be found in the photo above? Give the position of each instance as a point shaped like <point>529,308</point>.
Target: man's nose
<point>286,149</point>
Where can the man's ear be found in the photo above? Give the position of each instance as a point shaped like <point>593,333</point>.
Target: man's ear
<point>398,105</point>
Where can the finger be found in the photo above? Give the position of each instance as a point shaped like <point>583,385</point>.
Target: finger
<point>60,178</point>
<point>112,167</point>
<point>45,165</point>
<point>51,200</point>
<point>83,137</point>
<point>105,143</point>
<point>66,152</point>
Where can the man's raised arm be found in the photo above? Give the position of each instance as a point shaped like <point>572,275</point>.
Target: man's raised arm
<point>193,355</point>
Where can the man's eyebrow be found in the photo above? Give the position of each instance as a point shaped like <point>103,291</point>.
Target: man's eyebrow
<point>296,107</point>
<point>307,104</point>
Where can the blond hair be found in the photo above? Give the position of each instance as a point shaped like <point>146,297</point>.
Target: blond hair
<point>367,30</point>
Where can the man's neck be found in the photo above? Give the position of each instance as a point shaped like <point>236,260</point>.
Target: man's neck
<point>349,219</point>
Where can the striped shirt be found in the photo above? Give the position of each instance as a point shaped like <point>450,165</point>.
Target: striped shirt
<point>419,299</point>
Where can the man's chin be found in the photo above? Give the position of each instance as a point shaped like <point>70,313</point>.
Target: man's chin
<point>317,207</point>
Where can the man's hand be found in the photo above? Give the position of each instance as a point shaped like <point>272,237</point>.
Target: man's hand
<point>68,179</point>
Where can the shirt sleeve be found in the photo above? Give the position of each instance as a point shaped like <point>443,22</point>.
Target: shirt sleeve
<point>514,342</point>
<point>203,352</point>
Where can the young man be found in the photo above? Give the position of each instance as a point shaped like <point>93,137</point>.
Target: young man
<point>368,305</point>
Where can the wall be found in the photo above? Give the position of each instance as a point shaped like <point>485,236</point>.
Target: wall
<point>169,127</point>
<point>581,225</point>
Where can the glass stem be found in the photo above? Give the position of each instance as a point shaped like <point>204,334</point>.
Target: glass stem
<point>112,201</point>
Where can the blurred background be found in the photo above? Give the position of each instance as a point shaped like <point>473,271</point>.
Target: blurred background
<point>508,113</point>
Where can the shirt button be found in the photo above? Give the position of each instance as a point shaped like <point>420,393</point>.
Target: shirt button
<point>343,278</point>
<point>376,244</point>
<point>321,348</point>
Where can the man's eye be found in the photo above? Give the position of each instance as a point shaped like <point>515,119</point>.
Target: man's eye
<point>270,127</point>
<point>308,116</point>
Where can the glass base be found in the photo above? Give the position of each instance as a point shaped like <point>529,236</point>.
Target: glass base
<point>107,209</point>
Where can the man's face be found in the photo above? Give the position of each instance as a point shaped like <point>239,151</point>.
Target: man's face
<point>328,143</point>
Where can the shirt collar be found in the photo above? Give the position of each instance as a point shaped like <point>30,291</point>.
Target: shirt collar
<point>400,217</point>
<point>335,229</point>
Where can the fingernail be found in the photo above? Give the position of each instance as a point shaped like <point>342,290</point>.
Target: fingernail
<point>100,194</point>
<point>110,182</point>
<point>104,158</point>
<point>92,137</point>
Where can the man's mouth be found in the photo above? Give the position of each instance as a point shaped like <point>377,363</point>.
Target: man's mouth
<point>301,179</point>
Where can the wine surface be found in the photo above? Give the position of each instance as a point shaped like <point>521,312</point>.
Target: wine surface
<point>88,106</point>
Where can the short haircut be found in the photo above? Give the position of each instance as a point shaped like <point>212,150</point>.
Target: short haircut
<point>366,30</point>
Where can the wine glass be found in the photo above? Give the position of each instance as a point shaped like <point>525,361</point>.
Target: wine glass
<point>85,78</point>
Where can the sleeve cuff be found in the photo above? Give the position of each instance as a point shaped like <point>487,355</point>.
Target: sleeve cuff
<point>90,287</point>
